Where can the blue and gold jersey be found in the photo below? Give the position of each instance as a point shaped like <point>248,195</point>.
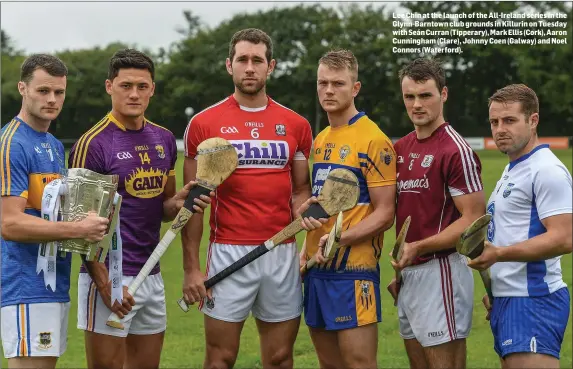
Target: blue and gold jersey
<point>364,149</point>
<point>29,161</point>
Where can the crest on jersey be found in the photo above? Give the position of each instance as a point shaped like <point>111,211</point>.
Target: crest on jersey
<point>427,161</point>
<point>400,159</point>
<point>507,190</point>
<point>280,129</point>
<point>386,157</point>
<point>317,151</point>
<point>160,151</point>
<point>45,340</point>
<point>343,152</point>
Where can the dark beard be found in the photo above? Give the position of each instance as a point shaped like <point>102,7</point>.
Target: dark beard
<point>257,88</point>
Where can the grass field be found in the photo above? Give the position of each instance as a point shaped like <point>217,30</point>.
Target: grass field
<point>184,339</point>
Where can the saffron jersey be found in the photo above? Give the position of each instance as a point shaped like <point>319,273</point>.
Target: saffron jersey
<point>29,161</point>
<point>143,159</point>
<point>531,188</point>
<point>364,149</point>
<point>254,203</point>
<point>431,171</point>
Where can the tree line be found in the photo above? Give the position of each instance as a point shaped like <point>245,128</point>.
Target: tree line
<point>191,71</point>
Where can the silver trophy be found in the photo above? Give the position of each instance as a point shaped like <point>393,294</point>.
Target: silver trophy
<point>87,191</point>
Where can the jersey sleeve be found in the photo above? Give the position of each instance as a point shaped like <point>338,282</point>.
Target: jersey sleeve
<point>193,136</point>
<point>378,163</point>
<point>173,153</point>
<point>304,143</point>
<point>14,170</point>
<point>462,171</point>
<point>552,191</point>
<point>88,155</point>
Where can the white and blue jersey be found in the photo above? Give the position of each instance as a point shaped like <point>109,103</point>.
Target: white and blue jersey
<point>531,302</point>
<point>532,187</point>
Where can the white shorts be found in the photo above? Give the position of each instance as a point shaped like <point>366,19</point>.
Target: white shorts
<point>35,329</point>
<point>269,287</point>
<point>148,316</point>
<point>435,303</point>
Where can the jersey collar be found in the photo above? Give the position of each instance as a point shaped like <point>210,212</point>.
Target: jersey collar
<point>355,118</point>
<point>120,125</point>
<point>524,157</point>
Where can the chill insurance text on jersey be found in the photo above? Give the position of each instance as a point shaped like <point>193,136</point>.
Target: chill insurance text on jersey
<point>265,149</point>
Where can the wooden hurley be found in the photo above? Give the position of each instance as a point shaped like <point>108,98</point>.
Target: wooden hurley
<point>398,249</point>
<point>216,161</point>
<point>471,244</point>
<point>339,193</point>
<point>331,246</point>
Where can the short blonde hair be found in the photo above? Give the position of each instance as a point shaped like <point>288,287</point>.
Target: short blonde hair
<point>340,59</point>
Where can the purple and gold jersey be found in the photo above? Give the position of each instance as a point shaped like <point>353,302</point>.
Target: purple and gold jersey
<point>143,159</point>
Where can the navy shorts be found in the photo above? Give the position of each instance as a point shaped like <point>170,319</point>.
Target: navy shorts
<point>335,304</point>
<point>530,324</point>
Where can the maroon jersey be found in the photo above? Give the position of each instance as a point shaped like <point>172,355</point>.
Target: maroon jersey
<point>431,172</point>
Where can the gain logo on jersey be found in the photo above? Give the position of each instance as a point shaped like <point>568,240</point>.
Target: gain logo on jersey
<point>261,154</point>
<point>146,183</point>
<point>507,190</point>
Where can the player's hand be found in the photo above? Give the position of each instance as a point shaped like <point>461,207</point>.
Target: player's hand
<point>122,309</point>
<point>93,227</point>
<point>194,287</point>
<point>309,223</point>
<point>487,305</point>
<point>319,256</point>
<point>488,257</point>
<point>302,257</point>
<point>201,203</point>
<point>394,288</point>
<point>409,254</point>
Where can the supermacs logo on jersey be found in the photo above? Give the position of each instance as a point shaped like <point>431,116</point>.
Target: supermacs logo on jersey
<point>261,154</point>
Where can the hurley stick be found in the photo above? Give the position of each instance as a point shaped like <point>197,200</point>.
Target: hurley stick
<point>471,244</point>
<point>332,244</point>
<point>216,161</point>
<point>398,250</point>
<point>339,193</point>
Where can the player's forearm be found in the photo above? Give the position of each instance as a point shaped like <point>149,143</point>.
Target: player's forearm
<point>30,229</point>
<point>98,272</point>
<point>447,238</point>
<point>380,220</point>
<point>299,196</point>
<point>191,239</point>
<point>169,209</point>
<point>545,246</point>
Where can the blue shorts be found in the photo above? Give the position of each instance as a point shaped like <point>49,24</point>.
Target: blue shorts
<point>530,324</point>
<point>335,304</point>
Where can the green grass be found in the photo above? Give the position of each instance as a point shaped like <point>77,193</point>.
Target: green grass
<point>184,339</point>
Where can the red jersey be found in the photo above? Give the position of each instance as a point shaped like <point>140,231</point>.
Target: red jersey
<point>254,203</point>
<point>430,172</point>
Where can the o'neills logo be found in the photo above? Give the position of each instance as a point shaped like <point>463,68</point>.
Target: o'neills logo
<point>261,154</point>
<point>146,183</point>
<point>413,184</point>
